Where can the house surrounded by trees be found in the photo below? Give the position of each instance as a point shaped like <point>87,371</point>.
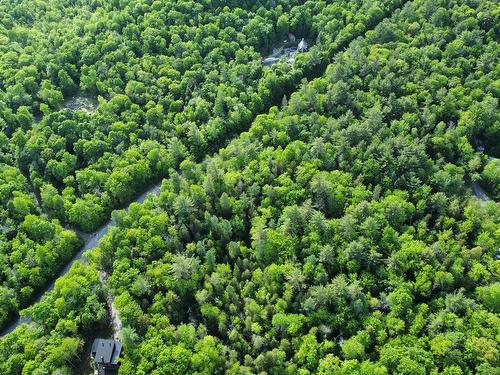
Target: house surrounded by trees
<point>105,354</point>
<point>302,46</point>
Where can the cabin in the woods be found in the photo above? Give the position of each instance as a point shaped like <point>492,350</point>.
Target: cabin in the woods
<point>285,52</point>
<point>269,61</point>
<point>105,354</point>
<point>302,46</point>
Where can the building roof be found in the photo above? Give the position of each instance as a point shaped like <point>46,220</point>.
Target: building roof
<point>268,61</point>
<point>302,45</point>
<point>106,351</point>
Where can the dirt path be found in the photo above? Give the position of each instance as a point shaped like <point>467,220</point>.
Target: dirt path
<point>479,192</point>
<point>90,241</point>
<point>116,323</point>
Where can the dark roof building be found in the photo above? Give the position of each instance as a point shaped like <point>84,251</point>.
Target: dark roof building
<point>105,354</point>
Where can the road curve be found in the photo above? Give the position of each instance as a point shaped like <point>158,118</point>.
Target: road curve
<point>91,241</point>
<point>479,192</point>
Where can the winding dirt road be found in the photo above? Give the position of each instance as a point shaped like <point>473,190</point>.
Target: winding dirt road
<point>91,241</point>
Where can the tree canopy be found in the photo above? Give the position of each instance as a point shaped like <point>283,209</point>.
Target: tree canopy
<point>314,217</point>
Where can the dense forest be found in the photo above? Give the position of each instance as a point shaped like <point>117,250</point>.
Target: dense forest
<point>315,217</point>
<point>82,164</point>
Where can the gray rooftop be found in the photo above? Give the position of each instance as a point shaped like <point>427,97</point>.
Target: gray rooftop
<point>106,351</point>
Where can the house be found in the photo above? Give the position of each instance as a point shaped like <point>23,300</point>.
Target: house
<point>286,53</point>
<point>105,354</point>
<point>302,46</point>
<point>269,61</point>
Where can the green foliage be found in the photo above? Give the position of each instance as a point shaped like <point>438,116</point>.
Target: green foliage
<point>54,343</point>
<point>490,296</point>
<point>491,177</point>
<point>32,247</point>
<point>335,234</point>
